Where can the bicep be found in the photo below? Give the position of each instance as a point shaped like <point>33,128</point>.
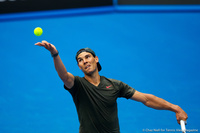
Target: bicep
<point>140,97</point>
<point>69,81</point>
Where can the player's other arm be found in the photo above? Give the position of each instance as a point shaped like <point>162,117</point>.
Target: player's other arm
<point>65,76</point>
<point>160,104</point>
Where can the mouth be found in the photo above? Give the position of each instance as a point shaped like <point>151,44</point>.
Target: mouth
<point>87,66</point>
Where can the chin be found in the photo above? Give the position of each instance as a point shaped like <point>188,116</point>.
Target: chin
<point>89,73</point>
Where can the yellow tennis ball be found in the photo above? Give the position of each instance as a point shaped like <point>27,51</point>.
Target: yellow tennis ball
<point>38,31</point>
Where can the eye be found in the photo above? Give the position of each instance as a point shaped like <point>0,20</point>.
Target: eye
<point>87,56</point>
<point>79,60</point>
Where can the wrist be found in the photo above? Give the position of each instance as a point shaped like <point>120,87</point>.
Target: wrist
<point>55,51</point>
<point>54,54</point>
<point>176,108</point>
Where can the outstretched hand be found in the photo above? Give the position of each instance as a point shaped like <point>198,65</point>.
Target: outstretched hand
<point>48,46</point>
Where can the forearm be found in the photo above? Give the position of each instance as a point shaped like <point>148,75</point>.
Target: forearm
<point>60,68</point>
<point>159,103</point>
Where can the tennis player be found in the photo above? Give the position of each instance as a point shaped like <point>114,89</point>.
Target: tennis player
<point>95,96</point>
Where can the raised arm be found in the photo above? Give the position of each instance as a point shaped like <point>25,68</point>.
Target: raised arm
<point>65,76</point>
<point>160,104</point>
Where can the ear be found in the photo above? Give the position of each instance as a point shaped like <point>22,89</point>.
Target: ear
<point>96,59</point>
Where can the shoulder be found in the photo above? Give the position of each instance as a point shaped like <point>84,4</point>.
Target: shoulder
<point>108,79</point>
<point>77,79</point>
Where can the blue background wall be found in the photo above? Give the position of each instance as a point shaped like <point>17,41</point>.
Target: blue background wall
<point>154,52</point>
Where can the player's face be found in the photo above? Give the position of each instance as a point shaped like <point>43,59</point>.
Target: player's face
<point>87,62</point>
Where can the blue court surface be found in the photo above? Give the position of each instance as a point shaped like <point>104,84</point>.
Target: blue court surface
<point>154,51</point>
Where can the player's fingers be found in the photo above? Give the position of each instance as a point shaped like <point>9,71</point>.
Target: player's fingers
<point>183,117</point>
<point>50,45</point>
<point>46,45</point>
<point>38,44</point>
<point>178,121</point>
<point>43,41</point>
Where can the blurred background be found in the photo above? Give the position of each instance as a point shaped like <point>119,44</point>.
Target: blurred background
<point>152,45</point>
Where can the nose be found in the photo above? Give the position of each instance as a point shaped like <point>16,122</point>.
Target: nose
<point>84,61</point>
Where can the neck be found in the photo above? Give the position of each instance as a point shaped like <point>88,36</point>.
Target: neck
<point>94,78</point>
